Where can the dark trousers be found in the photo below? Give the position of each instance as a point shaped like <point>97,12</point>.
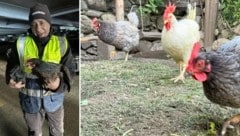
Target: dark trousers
<point>55,121</point>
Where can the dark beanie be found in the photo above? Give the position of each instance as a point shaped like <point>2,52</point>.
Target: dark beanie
<point>39,11</point>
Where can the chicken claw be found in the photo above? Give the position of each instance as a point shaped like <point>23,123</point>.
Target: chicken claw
<point>176,79</point>
<point>232,121</point>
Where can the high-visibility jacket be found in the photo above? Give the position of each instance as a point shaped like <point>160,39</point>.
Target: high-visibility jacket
<point>34,97</point>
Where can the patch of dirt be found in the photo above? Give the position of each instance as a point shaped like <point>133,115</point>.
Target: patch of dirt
<point>107,97</point>
<point>137,98</point>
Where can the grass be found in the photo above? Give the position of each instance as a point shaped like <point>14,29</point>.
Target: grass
<point>137,98</point>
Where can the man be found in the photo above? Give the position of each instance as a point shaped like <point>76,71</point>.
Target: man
<point>38,100</point>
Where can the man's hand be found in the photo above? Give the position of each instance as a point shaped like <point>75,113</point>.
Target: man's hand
<point>16,85</point>
<point>52,84</point>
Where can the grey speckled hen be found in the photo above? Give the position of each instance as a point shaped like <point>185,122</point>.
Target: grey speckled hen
<point>219,72</point>
<point>124,35</point>
<point>231,46</point>
<point>223,81</point>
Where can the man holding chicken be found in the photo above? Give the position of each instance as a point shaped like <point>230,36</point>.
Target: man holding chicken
<point>40,100</point>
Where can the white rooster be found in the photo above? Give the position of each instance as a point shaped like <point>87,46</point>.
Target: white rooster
<point>180,38</point>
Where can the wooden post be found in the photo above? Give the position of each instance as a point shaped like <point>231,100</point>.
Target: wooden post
<point>211,10</point>
<point>119,5</point>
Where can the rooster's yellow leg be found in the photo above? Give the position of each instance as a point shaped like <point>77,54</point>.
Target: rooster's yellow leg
<point>182,68</point>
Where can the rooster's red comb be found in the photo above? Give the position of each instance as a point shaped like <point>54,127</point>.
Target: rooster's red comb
<point>94,20</point>
<point>170,8</point>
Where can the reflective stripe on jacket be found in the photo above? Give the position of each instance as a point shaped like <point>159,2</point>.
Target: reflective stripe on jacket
<point>33,96</point>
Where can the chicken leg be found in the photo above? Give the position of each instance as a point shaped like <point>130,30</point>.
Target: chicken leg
<point>234,121</point>
<point>182,69</point>
<point>126,56</point>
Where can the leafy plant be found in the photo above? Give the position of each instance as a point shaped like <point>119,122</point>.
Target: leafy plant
<point>230,10</point>
<point>151,6</point>
<point>212,129</point>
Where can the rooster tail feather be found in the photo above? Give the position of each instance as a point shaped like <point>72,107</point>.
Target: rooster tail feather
<point>191,11</point>
<point>133,18</point>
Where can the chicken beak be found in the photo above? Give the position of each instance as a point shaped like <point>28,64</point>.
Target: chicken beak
<point>165,22</point>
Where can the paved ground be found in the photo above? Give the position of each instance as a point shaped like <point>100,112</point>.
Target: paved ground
<point>11,120</point>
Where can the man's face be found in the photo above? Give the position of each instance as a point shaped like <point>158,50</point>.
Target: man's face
<point>40,28</point>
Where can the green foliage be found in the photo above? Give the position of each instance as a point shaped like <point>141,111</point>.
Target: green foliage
<point>151,6</point>
<point>230,10</point>
<point>212,129</point>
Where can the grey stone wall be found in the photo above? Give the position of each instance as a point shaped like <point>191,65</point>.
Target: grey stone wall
<point>105,10</point>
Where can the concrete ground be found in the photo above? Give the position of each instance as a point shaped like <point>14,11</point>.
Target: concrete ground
<point>11,117</point>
